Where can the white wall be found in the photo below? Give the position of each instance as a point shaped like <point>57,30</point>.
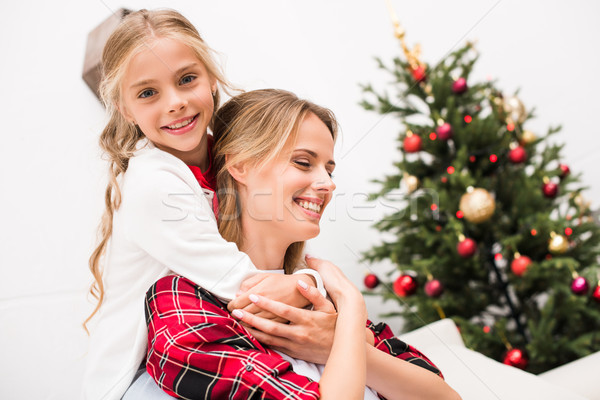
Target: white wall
<point>52,176</point>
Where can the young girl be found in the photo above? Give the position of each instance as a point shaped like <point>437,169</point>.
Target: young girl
<point>160,87</point>
<point>275,153</point>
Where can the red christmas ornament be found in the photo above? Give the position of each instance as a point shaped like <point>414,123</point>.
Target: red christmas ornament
<point>516,358</point>
<point>434,288</point>
<point>466,248</point>
<point>405,285</point>
<point>550,189</point>
<point>459,86</point>
<point>444,131</point>
<point>519,265</point>
<point>412,143</point>
<point>596,294</point>
<point>419,73</point>
<point>564,171</point>
<point>517,155</point>
<point>371,281</point>
<point>580,286</point>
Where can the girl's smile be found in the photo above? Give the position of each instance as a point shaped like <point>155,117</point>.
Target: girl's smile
<point>181,126</point>
<point>167,91</point>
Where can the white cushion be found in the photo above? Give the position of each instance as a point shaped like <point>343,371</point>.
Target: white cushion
<point>477,377</point>
<point>581,376</point>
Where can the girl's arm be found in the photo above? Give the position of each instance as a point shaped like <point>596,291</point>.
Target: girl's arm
<point>166,215</point>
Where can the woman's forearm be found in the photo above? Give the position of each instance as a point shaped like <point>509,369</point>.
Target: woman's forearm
<point>394,379</point>
<point>344,376</point>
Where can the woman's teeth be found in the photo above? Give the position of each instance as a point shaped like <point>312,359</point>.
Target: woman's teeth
<point>309,206</point>
<point>181,124</point>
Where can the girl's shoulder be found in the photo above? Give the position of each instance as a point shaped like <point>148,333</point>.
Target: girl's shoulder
<point>156,170</point>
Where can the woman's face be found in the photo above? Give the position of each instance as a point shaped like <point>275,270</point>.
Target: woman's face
<point>167,92</point>
<point>286,197</point>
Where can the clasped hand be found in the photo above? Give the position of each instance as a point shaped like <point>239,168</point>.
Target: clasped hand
<point>309,334</point>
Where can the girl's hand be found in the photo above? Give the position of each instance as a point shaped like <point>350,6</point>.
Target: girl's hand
<point>308,337</point>
<point>277,287</point>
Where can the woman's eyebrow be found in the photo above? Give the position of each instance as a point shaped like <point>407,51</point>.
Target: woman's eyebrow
<point>314,155</point>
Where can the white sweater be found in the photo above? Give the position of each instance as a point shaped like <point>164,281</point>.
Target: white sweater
<point>165,223</point>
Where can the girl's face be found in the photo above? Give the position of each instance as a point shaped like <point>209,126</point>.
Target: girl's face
<point>167,92</point>
<point>286,197</point>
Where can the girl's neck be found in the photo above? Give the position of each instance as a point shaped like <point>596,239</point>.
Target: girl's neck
<point>197,157</point>
<point>267,252</point>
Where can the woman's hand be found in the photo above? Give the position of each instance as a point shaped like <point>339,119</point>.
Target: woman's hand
<point>278,287</point>
<point>339,288</point>
<point>309,336</point>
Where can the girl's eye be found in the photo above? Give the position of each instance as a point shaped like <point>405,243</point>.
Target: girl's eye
<point>330,174</point>
<point>146,93</point>
<point>187,79</point>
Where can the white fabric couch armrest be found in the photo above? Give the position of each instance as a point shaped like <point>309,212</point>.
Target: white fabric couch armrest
<point>477,377</point>
<point>440,332</point>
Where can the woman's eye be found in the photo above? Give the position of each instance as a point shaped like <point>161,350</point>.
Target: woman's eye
<point>304,164</point>
<point>146,93</point>
<point>187,79</point>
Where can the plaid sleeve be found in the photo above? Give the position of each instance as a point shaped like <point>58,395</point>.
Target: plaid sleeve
<point>386,341</point>
<point>196,350</point>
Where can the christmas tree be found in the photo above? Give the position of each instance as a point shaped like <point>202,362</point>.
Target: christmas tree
<point>493,231</point>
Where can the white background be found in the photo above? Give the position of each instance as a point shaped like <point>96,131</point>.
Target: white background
<point>52,176</point>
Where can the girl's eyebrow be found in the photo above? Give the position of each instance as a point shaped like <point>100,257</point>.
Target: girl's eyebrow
<point>314,155</point>
<point>149,81</point>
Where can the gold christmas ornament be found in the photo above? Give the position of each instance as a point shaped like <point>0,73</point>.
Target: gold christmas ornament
<point>515,110</point>
<point>558,244</point>
<point>527,137</point>
<point>412,182</point>
<point>582,203</point>
<point>477,205</point>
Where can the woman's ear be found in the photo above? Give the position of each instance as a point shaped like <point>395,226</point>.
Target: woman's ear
<point>238,171</point>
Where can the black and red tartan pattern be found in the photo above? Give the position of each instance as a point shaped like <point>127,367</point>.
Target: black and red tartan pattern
<point>197,350</point>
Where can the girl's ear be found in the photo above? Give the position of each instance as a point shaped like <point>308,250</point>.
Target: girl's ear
<point>125,113</point>
<point>213,85</point>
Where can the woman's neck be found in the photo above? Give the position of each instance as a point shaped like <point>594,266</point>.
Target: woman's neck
<point>266,251</point>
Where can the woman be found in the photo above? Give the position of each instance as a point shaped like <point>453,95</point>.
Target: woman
<point>274,160</point>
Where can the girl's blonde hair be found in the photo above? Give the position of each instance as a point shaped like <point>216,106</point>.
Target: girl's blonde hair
<point>254,127</point>
<point>119,138</point>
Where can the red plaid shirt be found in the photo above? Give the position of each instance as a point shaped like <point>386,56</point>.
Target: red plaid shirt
<point>196,350</point>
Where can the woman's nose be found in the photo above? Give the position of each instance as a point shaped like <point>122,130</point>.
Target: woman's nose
<point>324,182</point>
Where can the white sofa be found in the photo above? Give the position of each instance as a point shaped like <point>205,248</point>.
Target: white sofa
<point>476,377</point>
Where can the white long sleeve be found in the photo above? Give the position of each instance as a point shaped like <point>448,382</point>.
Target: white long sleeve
<point>165,223</point>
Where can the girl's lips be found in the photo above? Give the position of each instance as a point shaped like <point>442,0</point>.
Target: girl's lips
<point>183,129</point>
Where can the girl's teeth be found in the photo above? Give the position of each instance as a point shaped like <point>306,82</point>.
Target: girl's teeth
<point>180,124</point>
<point>310,206</point>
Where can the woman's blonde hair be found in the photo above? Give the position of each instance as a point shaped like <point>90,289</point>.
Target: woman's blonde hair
<point>119,138</point>
<point>254,127</point>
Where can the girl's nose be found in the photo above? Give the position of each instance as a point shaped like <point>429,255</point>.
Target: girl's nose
<point>177,102</point>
